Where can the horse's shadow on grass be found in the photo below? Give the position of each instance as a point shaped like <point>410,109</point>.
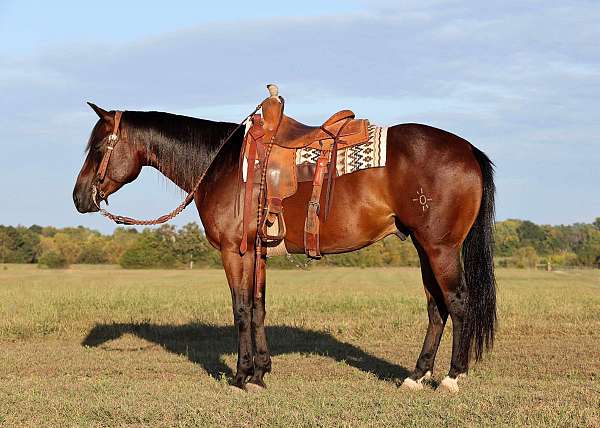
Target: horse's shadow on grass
<point>205,345</point>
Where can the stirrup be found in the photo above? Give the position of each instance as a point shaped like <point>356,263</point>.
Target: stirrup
<point>263,230</point>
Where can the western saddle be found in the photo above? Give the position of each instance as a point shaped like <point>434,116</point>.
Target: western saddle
<point>273,140</point>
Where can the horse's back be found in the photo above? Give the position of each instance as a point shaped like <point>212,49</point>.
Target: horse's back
<point>417,141</point>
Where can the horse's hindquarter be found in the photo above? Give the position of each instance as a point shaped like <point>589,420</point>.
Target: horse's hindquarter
<point>438,180</point>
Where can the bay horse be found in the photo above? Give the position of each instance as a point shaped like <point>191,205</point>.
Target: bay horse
<point>435,187</point>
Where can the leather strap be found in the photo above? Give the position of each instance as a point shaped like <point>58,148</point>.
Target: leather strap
<point>254,136</point>
<point>311,226</point>
<point>333,164</point>
<point>113,139</point>
<point>260,249</point>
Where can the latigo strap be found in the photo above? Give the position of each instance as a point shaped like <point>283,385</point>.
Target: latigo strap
<point>255,136</point>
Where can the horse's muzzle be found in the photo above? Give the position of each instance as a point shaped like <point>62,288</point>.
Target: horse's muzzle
<point>83,202</point>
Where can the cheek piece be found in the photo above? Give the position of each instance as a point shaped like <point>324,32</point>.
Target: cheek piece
<point>113,139</point>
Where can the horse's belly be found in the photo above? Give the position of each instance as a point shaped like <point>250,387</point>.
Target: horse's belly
<point>361,213</point>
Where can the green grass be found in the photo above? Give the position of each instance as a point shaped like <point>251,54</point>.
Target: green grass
<point>100,346</point>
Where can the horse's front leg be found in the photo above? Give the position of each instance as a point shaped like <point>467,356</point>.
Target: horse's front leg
<point>262,358</point>
<point>240,273</point>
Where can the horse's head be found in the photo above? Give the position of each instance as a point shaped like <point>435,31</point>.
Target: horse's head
<point>124,163</point>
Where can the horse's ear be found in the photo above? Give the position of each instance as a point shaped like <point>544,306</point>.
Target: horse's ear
<point>102,114</point>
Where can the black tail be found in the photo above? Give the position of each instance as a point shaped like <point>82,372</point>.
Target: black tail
<point>478,261</point>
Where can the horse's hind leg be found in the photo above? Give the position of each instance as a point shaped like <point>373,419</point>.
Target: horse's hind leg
<point>446,266</point>
<point>438,314</point>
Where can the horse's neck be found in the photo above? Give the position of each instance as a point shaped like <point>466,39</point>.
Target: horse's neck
<point>172,167</point>
<point>167,169</point>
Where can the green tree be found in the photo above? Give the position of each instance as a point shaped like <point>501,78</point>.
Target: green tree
<point>565,258</point>
<point>192,246</point>
<point>151,250</point>
<point>120,241</point>
<point>36,229</point>
<point>506,237</point>
<point>49,231</point>
<point>6,245</point>
<point>532,235</point>
<point>93,251</point>
<point>53,260</point>
<point>18,245</point>
<point>526,257</point>
<point>589,252</point>
<point>68,245</point>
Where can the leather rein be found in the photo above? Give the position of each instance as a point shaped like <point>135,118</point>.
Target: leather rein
<point>113,139</point>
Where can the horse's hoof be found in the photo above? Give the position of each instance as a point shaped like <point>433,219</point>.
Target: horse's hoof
<point>411,385</point>
<point>449,384</point>
<point>236,389</point>
<point>415,385</point>
<point>254,388</point>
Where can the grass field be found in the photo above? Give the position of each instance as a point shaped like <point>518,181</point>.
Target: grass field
<point>103,347</point>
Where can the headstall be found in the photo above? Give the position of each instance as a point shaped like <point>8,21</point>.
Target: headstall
<point>113,139</point>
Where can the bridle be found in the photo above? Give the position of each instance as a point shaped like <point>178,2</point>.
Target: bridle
<point>113,139</point>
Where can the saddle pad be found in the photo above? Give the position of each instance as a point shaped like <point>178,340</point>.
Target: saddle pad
<point>370,154</point>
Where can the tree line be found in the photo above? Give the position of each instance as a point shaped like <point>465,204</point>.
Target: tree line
<point>519,243</point>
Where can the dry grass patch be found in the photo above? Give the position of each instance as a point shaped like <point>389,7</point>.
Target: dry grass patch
<point>103,346</point>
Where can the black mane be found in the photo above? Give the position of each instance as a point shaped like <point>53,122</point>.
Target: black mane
<point>183,145</point>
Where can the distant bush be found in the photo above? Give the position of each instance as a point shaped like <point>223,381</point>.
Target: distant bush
<point>18,245</point>
<point>563,259</point>
<point>149,251</point>
<point>526,257</point>
<point>93,253</point>
<point>53,260</point>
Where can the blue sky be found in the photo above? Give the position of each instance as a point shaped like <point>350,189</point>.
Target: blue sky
<point>519,79</point>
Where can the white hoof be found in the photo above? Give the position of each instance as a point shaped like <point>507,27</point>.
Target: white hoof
<point>415,385</point>
<point>449,385</point>
<point>411,385</point>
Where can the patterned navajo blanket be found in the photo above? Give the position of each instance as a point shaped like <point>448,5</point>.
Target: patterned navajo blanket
<point>362,156</point>
<point>370,154</point>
